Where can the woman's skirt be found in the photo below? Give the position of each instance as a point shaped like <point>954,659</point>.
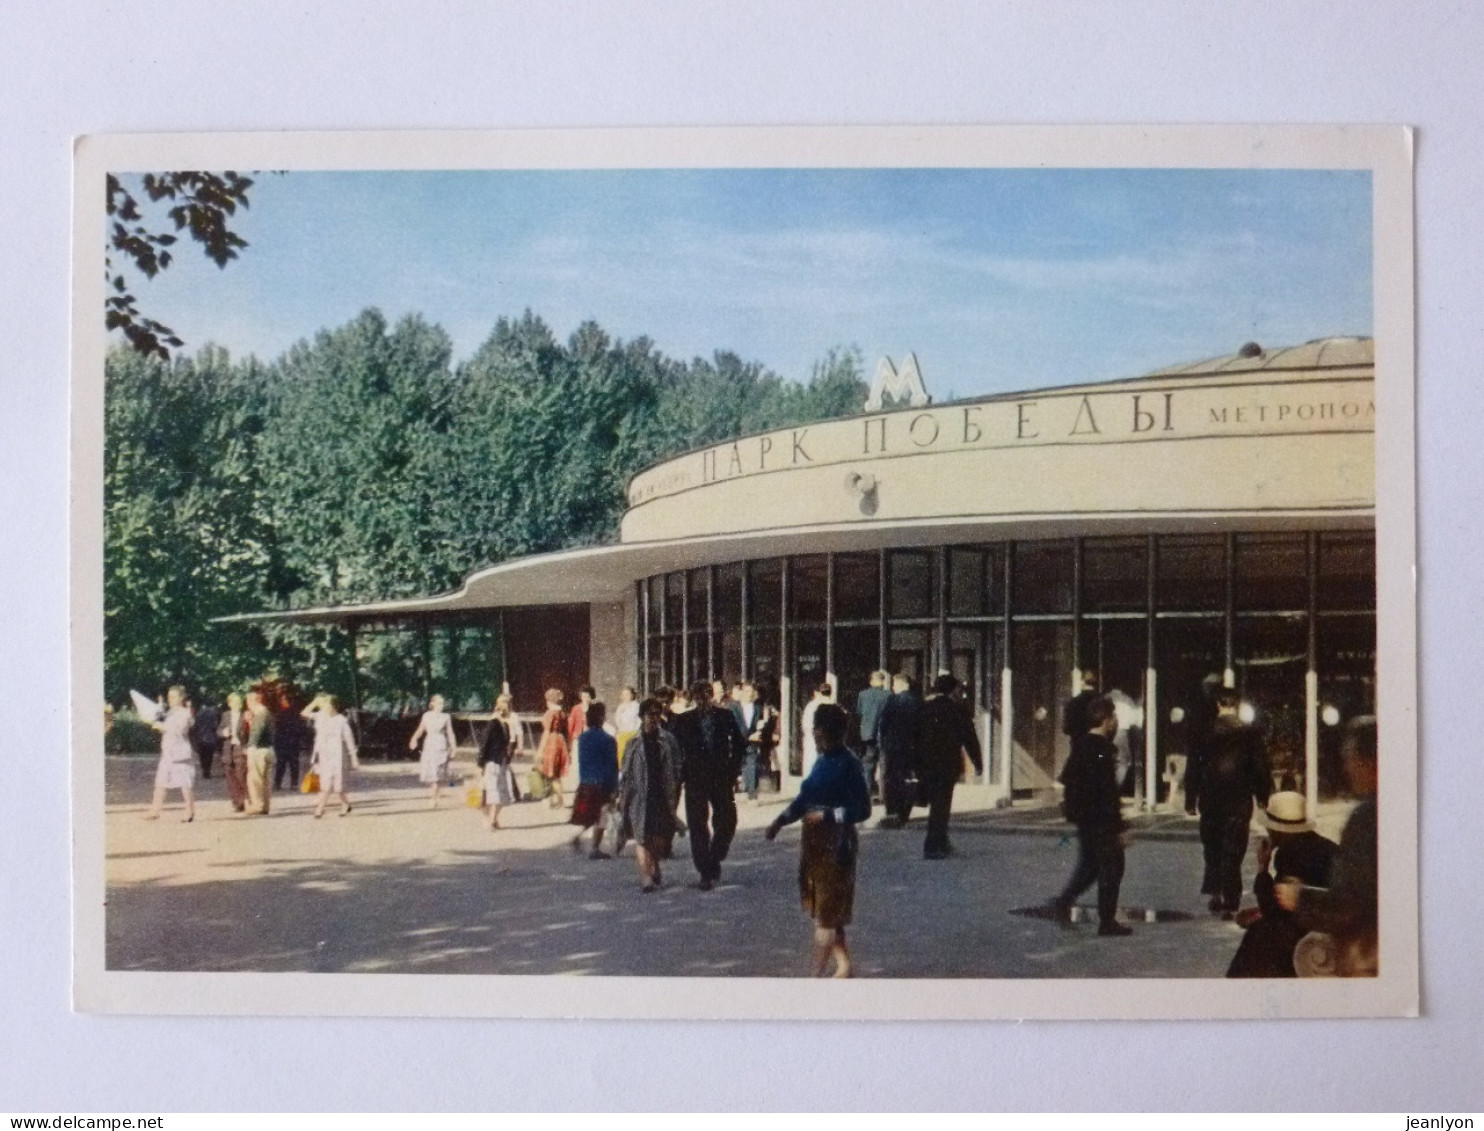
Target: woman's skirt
<point>433,765</point>
<point>497,785</point>
<point>331,774</point>
<point>587,808</point>
<point>827,873</point>
<point>624,739</point>
<point>175,775</point>
<point>554,757</point>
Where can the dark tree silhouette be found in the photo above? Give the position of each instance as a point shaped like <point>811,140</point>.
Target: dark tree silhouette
<point>201,204</point>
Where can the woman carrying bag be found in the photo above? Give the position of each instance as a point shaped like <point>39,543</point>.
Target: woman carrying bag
<point>494,759</point>
<point>334,751</point>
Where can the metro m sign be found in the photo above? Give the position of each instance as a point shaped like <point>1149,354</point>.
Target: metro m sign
<point>904,385</point>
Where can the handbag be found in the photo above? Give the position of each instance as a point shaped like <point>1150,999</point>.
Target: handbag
<point>474,797</point>
<point>309,783</point>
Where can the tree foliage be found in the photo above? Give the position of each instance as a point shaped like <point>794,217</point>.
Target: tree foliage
<point>199,204</point>
<point>365,465</point>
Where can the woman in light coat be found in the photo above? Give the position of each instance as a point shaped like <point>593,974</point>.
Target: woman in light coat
<point>177,768</point>
<point>334,751</point>
<point>648,789</point>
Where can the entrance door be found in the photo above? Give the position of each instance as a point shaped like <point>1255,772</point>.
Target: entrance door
<point>1041,661</point>
<point>910,652</point>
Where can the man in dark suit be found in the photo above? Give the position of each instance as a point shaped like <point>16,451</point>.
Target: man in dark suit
<point>898,737</point>
<point>1074,719</point>
<point>868,707</point>
<point>945,735</point>
<point>1091,801</point>
<point>757,724</point>
<point>1233,771</point>
<point>712,751</point>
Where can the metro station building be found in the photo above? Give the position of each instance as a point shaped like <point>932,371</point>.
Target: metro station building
<point>1208,518</point>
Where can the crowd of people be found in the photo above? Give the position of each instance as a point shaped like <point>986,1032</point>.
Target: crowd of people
<point>707,743</point>
<point>1316,907</point>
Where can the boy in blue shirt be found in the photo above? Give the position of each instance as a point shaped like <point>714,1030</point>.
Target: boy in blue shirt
<point>831,801</point>
<point>597,779</point>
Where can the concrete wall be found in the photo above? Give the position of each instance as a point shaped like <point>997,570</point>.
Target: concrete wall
<point>612,648</point>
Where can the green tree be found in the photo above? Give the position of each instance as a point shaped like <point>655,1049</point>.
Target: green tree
<point>184,538</point>
<point>348,459</point>
<point>361,466</point>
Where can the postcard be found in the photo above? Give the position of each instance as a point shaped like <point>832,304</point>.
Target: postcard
<point>813,573</point>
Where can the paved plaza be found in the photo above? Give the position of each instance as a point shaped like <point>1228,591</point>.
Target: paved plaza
<point>397,887</point>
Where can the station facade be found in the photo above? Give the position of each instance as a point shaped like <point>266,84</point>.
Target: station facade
<point>1209,519</point>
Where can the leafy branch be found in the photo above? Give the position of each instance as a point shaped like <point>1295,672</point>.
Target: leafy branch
<point>200,204</point>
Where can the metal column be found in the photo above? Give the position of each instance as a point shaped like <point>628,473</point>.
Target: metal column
<point>1229,676</point>
<point>1077,658</point>
<point>1151,683</point>
<point>1311,685</point>
<point>829,622</point>
<point>1007,701</point>
<point>711,622</point>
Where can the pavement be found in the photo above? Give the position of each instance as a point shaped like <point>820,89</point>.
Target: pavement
<point>398,887</point>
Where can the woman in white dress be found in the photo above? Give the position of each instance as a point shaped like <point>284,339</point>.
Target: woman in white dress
<point>177,768</point>
<point>824,693</point>
<point>626,719</point>
<point>436,730</point>
<point>334,751</point>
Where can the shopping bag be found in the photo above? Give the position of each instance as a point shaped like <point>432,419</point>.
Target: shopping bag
<point>309,783</point>
<point>616,831</point>
<point>474,797</point>
<point>536,785</point>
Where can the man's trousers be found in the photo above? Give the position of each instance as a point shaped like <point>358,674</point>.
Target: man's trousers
<point>1099,859</point>
<point>259,767</point>
<point>711,817</point>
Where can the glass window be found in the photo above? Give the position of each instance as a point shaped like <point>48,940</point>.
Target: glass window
<point>1272,656</point>
<point>764,656</point>
<point>1190,572</point>
<point>994,580</point>
<point>1117,650</point>
<point>728,605</point>
<point>1347,570</point>
<point>656,602</point>
<point>911,652</point>
<point>857,586</point>
<point>1191,657</point>
<point>1042,577</point>
<point>855,659</point>
<point>670,669</point>
<point>700,588</point>
<point>1272,572</point>
<point>913,586</point>
<point>969,660</point>
<point>1347,688</point>
<point>698,659</point>
<point>765,599</point>
<point>1114,574</point>
<point>729,653</point>
<point>968,592</point>
<point>674,601</point>
<point>807,579</point>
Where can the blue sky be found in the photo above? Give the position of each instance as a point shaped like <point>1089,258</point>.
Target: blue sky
<point>997,279</point>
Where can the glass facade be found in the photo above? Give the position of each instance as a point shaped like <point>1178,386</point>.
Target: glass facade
<point>1257,611</point>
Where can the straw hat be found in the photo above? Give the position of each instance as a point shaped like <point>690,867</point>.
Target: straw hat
<point>1287,812</point>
